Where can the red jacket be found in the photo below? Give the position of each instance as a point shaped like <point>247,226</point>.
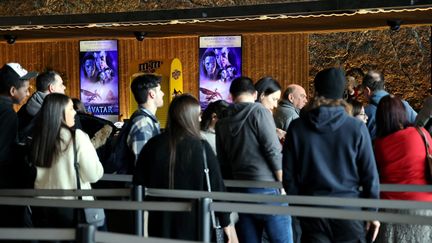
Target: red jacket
<point>401,159</point>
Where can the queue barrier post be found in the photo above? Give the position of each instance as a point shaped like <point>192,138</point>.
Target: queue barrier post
<point>138,217</point>
<point>204,232</point>
<point>85,233</point>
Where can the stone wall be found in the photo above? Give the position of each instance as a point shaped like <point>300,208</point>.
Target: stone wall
<point>403,56</point>
<point>54,7</point>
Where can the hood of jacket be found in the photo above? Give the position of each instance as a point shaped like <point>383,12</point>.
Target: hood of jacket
<point>35,102</point>
<point>326,119</point>
<point>238,115</point>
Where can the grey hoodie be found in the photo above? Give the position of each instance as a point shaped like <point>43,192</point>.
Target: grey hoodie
<point>35,102</point>
<point>247,145</point>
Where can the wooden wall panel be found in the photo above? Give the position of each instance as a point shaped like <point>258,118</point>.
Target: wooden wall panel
<point>282,56</point>
<point>61,56</point>
<point>184,48</point>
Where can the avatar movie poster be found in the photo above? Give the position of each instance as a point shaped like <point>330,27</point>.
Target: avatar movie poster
<point>99,78</point>
<point>220,63</point>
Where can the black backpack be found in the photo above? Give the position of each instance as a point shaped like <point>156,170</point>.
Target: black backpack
<point>121,159</point>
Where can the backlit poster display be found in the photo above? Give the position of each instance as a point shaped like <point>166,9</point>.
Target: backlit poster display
<point>220,62</point>
<point>99,78</point>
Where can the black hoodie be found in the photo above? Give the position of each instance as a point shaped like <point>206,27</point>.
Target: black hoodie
<point>329,153</point>
<point>247,145</point>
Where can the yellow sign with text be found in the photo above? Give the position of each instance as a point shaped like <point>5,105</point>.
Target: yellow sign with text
<point>172,82</point>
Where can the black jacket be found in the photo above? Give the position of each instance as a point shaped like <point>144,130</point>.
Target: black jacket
<point>152,170</point>
<point>9,126</point>
<point>329,153</point>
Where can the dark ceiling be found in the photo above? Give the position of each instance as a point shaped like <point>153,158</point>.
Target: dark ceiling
<point>307,17</point>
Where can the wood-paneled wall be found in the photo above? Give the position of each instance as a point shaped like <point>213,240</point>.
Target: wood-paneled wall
<point>282,56</point>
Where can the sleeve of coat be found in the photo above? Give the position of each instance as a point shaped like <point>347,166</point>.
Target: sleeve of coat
<point>267,138</point>
<point>366,164</point>
<point>91,169</point>
<point>289,172</point>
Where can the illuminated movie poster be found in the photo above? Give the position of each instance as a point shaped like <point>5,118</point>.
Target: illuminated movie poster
<point>220,62</point>
<point>99,78</point>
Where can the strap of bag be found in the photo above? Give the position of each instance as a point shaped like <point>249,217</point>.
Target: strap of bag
<point>215,222</point>
<point>76,165</point>
<point>419,130</point>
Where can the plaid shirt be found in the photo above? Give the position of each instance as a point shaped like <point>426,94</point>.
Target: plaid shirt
<point>143,128</point>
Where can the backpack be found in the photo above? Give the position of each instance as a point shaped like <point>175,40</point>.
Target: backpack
<point>121,159</point>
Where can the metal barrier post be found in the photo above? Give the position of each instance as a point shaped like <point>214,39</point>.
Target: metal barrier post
<point>204,220</point>
<point>85,233</point>
<point>138,196</point>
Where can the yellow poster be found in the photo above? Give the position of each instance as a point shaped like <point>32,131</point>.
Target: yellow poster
<point>172,82</point>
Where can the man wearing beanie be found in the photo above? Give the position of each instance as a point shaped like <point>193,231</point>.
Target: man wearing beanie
<point>327,152</point>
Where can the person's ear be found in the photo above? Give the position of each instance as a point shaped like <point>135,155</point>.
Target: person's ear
<point>291,97</point>
<point>213,116</point>
<point>50,88</point>
<point>151,93</point>
<point>12,91</point>
<point>368,91</point>
<point>255,95</point>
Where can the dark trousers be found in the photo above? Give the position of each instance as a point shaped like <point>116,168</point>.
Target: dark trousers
<point>50,217</point>
<point>319,230</point>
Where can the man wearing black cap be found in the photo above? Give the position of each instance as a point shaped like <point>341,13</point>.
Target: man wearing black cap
<point>327,152</point>
<point>14,85</point>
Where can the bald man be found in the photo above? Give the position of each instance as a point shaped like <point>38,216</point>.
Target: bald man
<point>293,100</point>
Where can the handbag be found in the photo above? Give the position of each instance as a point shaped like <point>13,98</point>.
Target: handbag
<point>219,233</point>
<point>428,155</point>
<point>95,216</point>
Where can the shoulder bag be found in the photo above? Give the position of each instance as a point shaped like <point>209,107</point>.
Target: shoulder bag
<point>95,216</point>
<point>219,233</point>
<point>428,155</point>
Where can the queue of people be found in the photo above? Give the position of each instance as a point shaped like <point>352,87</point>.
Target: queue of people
<point>330,146</point>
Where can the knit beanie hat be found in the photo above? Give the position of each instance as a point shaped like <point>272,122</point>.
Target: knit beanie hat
<point>330,83</point>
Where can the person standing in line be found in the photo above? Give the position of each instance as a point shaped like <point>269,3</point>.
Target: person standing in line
<point>144,124</point>
<point>293,100</point>
<point>373,90</point>
<point>14,88</point>
<point>249,149</point>
<point>358,110</point>
<point>401,159</point>
<point>210,116</point>
<point>327,152</point>
<point>53,154</point>
<point>269,92</point>
<point>46,83</point>
<point>175,160</point>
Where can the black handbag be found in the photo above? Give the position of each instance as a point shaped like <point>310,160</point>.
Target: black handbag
<point>218,231</point>
<point>95,216</point>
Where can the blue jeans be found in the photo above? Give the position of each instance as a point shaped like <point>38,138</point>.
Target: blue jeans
<point>250,227</point>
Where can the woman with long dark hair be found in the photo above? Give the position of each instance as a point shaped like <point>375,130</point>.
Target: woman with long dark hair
<point>53,155</point>
<point>401,158</point>
<point>174,160</point>
<point>269,92</point>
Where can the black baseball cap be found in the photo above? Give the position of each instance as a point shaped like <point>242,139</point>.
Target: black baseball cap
<point>14,72</point>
